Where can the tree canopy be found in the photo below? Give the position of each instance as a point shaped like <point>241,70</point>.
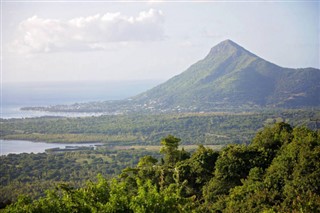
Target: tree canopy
<point>278,172</point>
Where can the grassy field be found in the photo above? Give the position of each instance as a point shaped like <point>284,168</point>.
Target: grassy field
<point>157,148</point>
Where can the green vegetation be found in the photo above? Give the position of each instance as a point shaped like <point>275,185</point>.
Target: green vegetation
<point>279,171</point>
<point>146,129</point>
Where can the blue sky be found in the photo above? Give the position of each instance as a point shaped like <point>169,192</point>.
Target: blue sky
<point>76,41</point>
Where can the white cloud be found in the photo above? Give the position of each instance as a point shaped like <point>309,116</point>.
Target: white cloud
<point>38,35</point>
<point>155,1</point>
<point>186,43</point>
<point>211,33</point>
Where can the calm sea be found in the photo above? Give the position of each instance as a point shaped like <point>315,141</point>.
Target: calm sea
<point>17,95</point>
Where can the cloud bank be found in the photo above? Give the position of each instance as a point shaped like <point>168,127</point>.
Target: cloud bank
<point>96,32</point>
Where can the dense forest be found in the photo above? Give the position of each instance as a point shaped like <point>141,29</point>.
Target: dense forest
<point>32,174</point>
<point>279,171</point>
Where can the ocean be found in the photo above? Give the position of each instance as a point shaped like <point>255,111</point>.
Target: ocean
<point>17,95</point>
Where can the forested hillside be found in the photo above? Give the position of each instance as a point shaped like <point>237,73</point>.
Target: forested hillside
<point>279,171</point>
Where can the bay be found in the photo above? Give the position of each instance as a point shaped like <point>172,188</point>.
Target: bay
<point>22,146</point>
<point>17,95</point>
<point>13,111</point>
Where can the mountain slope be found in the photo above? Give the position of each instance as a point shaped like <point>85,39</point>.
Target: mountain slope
<point>230,76</point>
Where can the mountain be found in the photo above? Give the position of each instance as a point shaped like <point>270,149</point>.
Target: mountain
<point>231,77</point>
<point>228,78</point>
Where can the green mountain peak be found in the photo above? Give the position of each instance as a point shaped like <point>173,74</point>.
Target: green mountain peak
<point>231,77</point>
<point>227,47</point>
<point>228,78</point>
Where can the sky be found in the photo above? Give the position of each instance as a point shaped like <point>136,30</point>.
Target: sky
<point>130,40</point>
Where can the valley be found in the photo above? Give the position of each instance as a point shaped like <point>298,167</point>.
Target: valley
<point>145,129</point>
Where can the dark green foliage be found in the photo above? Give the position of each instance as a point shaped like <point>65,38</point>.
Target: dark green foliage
<point>294,174</point>
<point>278,172</point>
<point>250,196</point>
<point>197,170</point>
<point>289,184</point>
<point>170,150</point>
<point>272,138</point>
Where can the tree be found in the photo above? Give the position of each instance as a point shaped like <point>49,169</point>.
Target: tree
<point>197,170</point>
<point>170,149</point>
<point>147,161</point>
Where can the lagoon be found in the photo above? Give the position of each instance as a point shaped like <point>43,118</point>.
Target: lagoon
<point>21,146</point>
